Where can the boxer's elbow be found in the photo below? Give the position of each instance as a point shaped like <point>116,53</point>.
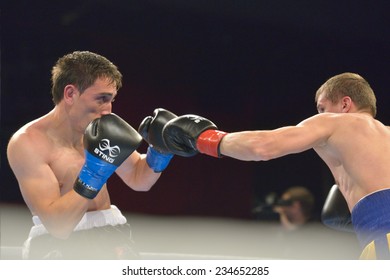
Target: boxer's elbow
<point>60,226</point>
<point>60,232</point>
<point>143,187</point>
<point>143,183</point>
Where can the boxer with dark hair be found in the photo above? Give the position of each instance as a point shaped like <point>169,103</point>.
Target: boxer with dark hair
<point>62,162</point>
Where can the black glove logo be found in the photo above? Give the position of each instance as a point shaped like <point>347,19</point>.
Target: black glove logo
<point>113,152</point>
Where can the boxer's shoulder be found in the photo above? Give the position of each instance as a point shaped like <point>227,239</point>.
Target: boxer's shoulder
<point>32,129</point>
<point>33,139</point>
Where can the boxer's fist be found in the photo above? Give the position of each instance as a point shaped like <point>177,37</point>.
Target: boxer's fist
<point>158,155</point>
<point>191,134</point>
<point>108,142</point>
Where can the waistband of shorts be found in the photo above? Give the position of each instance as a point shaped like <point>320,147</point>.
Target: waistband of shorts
<point>92,219</point>
<point>371,216</point>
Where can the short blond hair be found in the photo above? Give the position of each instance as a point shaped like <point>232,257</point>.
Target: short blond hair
<point>352,85</point>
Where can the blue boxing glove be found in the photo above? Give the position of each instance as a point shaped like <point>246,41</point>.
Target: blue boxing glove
<point>158,155</point>
<point>108,142</point>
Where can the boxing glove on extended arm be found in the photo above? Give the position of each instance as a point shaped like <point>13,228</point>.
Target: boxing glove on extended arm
<point>335,213</point>
<point>108,142</point>
<point>158,155</point>
<point>191,134</point>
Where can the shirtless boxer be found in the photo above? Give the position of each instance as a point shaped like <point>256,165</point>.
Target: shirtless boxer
<point>345,134</point>
<point>62,167</point>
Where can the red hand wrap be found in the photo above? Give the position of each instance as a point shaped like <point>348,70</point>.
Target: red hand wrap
<point>208,142</point>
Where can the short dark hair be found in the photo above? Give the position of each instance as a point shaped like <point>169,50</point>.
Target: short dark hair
<point>81,69</point>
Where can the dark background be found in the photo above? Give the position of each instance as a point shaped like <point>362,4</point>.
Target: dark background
<point>244,64</point>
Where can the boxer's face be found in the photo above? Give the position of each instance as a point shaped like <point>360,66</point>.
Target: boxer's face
<point>94,102</point>
<point>98,98</point>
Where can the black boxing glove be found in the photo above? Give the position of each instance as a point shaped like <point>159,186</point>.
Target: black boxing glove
<point>191,134</point>
<point>158,155</point>
<point>108,142</point>
<point>335,212</point>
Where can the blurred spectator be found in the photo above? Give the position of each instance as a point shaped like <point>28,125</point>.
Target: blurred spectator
<point>295,207</point>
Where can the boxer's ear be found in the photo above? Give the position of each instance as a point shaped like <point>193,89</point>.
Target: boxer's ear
<point>346,103</point>
<point>70,92</point>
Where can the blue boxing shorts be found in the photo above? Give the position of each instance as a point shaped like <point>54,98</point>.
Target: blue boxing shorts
<point>371,221</point>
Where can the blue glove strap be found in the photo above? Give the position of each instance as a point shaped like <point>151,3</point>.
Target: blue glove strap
<point>156,160</point>
<point>93,175</point>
